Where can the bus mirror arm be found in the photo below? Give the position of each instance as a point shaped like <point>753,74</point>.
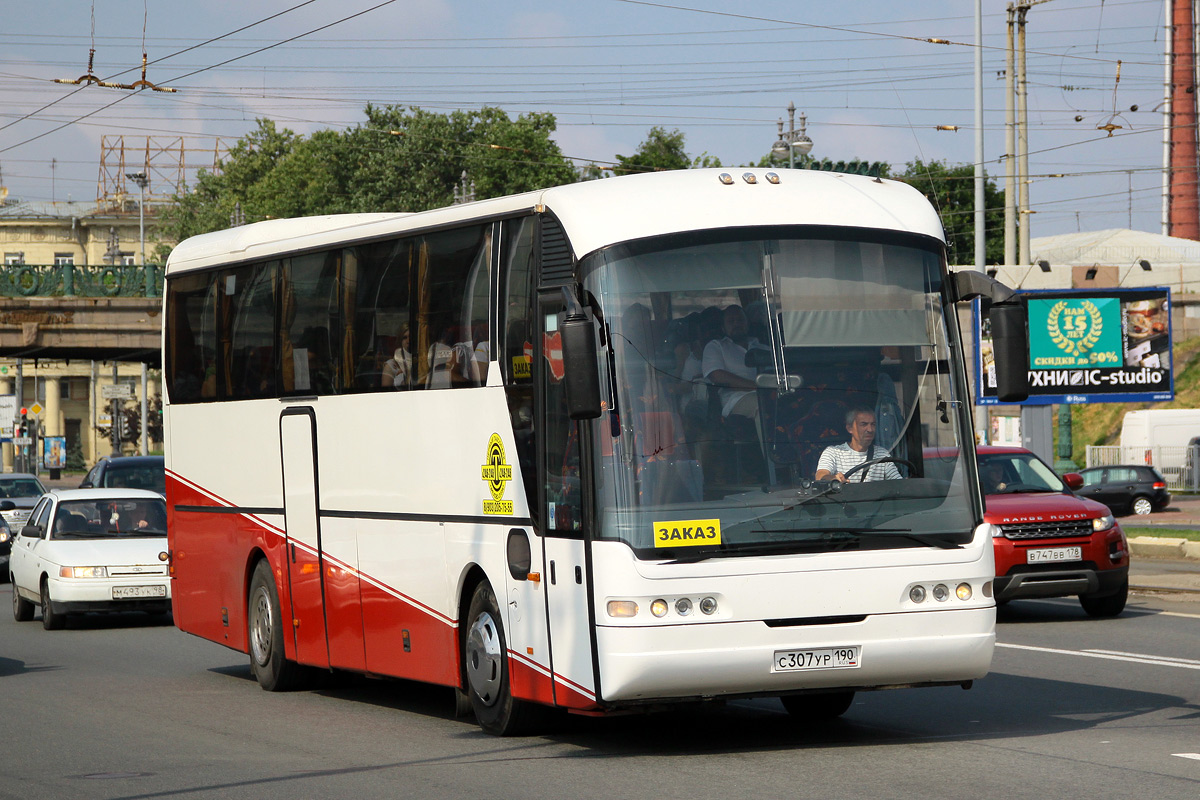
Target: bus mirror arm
<point>968,284</point>
<point>580,360</point>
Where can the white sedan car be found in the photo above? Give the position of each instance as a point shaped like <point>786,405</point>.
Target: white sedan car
<point>91,550</point>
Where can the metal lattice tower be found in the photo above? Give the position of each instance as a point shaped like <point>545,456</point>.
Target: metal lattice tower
<point>168,163</point>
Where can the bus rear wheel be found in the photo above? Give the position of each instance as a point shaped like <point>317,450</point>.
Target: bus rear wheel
<point>265,623</point>
<point>485,660</point>
<point>818,706</point>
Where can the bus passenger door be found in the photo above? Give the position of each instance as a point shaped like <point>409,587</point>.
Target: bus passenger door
<point>298,450</point>
<point>566,569</point>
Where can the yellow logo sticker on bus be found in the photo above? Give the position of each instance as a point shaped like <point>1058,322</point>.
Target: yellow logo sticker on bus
<point>687,533</point>
<point>496,472</point>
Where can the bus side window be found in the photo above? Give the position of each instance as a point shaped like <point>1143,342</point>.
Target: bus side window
<point>193,340</point>
<point>445,346</point>
<point>309,353</point>
<point>252,332</point>
<point>377,313</point>
<point>516,345</point>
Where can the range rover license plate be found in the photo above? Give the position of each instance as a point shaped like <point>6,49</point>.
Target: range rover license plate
<point>131,592</point>
<point>1049,554</point>
<point>820,658</point>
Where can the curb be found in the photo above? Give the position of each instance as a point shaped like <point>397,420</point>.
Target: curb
<point>1164,547</point>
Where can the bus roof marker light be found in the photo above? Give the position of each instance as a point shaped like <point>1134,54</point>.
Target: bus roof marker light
<point>772,177</point>
<point>749,177</point>
<point>725,178</point>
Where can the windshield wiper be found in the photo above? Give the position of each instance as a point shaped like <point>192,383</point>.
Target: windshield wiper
<point>853,535</point>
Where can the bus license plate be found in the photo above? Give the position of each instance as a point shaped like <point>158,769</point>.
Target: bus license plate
<point>1046,555</point>
<point>820,658</point>
<point>129,592</point>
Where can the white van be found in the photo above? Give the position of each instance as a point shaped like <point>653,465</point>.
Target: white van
<point>1159,436</point>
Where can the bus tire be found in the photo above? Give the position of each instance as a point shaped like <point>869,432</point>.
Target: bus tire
<point>818,706</point>
<point>264,624</point>
<point>485,662</point>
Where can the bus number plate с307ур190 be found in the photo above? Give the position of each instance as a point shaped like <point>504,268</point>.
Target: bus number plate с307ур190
<point>819,658</point>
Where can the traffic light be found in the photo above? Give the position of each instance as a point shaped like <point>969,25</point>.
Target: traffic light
<point>23,423</point>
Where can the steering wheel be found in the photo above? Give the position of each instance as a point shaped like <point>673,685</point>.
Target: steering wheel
<point>866,465</point>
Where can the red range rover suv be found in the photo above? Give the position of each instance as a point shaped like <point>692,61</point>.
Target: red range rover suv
<point>1048,542</point>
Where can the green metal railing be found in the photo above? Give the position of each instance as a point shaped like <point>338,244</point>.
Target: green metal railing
<point>73,280</point>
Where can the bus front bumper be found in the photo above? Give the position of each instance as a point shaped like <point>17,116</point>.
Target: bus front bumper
<point>675,662</point>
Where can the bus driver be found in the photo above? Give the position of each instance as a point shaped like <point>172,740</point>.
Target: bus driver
<point>836,460</point>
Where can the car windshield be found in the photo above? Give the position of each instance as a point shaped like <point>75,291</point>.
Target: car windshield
<point>738,365</point>
<point>110,518</point>
<point>21,487</point>
<point>1008,473</point>
<point>140,476</point>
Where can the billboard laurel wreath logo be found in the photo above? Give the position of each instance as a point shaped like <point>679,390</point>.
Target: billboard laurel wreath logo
<point>1075,331</point>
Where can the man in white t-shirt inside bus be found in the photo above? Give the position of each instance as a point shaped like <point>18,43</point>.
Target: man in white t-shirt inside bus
<point>836,460</point>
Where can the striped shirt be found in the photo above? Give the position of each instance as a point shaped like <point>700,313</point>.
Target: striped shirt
<point>842,458</point>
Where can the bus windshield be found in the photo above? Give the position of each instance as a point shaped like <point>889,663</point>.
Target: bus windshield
<point>779,391</point>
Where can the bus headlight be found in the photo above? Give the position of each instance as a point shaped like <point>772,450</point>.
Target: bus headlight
<point>941,592</point>
<point>659,608</point>
<point>708,605</point>
<point>917,594</point>
<point>683,606</point>
<point>963,591</point>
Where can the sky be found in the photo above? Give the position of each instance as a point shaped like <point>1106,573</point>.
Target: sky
<point>863,72</point>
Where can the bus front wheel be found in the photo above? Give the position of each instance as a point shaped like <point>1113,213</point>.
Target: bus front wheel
<point>485,659</point>
<point>272,670</point>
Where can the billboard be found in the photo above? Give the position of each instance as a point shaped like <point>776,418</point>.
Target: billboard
<point>1088,346</point>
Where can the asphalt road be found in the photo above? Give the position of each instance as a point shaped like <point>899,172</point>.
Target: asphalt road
<point>129,707</point>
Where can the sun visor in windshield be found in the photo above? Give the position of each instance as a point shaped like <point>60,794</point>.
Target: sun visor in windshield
<point>850,327</point>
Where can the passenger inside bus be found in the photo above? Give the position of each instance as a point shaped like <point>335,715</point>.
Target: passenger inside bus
<point>397,370</point>
<point>724,367</point>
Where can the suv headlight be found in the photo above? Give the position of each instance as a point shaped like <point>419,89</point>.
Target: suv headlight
<point>1103,523</point>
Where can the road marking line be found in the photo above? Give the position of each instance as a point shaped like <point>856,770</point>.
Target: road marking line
<point>1187,755</point>
<point>1178,614</point>
<point>1142,655</point>
<point>1151,660</point>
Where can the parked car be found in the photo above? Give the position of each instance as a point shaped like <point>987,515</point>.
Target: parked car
<point>19,491</point>
<point>91,550</point>
<point>1126,488</point>
<point>1049,542</point>
<point>129,472</point>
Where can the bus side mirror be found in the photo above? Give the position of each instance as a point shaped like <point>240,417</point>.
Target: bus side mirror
<point>1010,346</point>
<point>580,366</point>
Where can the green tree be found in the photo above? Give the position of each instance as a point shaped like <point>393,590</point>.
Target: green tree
<point>951,189</point>
<point>398,160</point>
<point>660,151</point>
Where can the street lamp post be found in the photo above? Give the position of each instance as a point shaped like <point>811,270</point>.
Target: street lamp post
<point>792,140</point>
<point>140,179</point>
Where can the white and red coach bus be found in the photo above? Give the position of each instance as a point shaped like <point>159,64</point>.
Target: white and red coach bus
<point>488,446</point>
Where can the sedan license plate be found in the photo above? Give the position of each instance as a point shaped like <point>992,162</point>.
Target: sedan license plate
<point>820,658</point>
<point>1047,555</point>
<point>130,592</point>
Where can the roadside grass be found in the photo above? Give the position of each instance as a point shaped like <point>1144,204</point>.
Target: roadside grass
<point>1131,532</point>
